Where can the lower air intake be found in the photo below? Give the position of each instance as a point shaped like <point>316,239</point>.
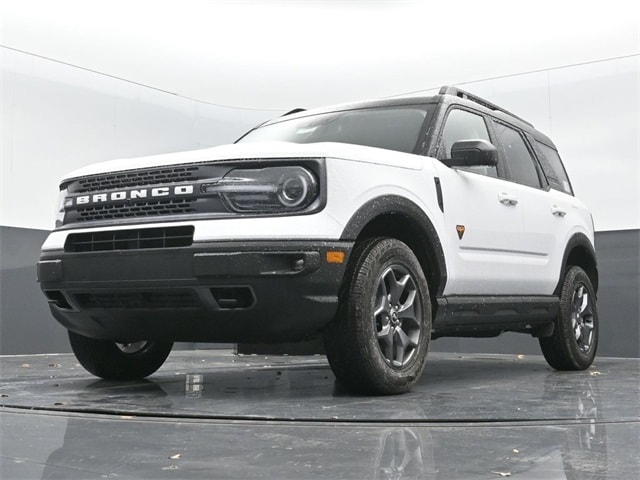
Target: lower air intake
<point>138,239</point>
<point>175,299</point>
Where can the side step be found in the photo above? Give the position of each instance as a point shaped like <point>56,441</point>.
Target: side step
<point>488,316</point>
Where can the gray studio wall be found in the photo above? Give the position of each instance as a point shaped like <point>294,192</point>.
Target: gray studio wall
<point>57,117</point>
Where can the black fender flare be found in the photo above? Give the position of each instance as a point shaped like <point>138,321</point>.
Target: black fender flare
<point>397,205</point>
<point>579,240</point>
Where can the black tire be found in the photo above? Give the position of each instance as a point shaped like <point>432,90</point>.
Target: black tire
<point>362,356</point>
<point>116,361</point>
<point>574,341</point>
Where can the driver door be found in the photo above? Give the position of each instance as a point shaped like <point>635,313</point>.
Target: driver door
<point>483,218</point>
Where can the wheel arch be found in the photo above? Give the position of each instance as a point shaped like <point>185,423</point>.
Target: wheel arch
<point>400,218</point>
<point>581,253</point>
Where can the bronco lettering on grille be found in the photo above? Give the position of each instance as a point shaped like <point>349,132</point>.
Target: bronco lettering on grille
<point>132,194</point>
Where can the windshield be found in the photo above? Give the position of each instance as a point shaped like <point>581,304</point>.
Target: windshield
<point>392,128</point>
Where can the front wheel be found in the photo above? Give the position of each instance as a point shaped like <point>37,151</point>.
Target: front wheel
<point>119,361</point>
<point>379,339</point>
<point>575,338</point>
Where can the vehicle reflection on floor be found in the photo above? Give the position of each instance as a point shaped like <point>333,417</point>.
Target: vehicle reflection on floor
<point>132,447</point>
<point>281,419</point>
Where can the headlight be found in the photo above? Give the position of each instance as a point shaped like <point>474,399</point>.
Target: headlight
<point>62,197</point>
<point>266,190</point>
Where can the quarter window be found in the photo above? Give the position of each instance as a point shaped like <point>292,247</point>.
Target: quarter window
<point>556,174</point>
<point>463,125</point>
<point>519,159</point>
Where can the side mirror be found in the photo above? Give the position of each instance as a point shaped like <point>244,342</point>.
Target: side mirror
<point>472,153</point>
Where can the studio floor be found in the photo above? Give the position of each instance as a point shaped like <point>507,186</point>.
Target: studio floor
<point>213,414</point>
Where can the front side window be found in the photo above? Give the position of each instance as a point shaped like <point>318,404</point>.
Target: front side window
<point>515,152</point>
<point>464,125</point>
<point>391,128</point>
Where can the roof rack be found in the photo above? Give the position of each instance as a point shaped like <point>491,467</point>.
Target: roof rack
<point>455,91</point>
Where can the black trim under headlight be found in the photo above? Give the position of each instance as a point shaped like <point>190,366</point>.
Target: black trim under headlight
<point>280,189</point>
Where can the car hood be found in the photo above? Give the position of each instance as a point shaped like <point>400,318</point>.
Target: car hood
<point>258,150</point>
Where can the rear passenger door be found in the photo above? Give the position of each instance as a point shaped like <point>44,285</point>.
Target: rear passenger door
<point>545,225</point>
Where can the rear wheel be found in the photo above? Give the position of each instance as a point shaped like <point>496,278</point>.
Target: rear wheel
<point>119,361</point>
<point>574,341</point>
<point>379,339</point>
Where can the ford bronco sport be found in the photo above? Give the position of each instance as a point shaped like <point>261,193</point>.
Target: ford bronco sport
<point>379,225</point>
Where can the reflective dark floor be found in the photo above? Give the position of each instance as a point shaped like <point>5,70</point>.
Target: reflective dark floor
<point>210,414</point>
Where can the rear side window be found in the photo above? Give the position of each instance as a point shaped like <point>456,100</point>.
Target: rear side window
<point>521,164</point>
<point>553,169</point>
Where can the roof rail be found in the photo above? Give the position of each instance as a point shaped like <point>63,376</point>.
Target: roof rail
<point>455,91</point>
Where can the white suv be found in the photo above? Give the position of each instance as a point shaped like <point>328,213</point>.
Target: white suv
<point>379,225</point>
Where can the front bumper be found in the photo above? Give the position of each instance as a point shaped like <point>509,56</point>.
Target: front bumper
<point>207,292</point>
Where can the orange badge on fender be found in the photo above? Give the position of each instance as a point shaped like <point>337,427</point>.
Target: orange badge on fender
<point>460,230</point>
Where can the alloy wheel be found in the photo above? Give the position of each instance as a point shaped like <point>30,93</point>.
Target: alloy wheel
<point>397,316</point>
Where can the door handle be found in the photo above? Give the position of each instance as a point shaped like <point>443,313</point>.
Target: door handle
<point>507,199</point>
<point>557,211</point>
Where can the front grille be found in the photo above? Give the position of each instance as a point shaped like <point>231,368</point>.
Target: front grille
<point>108,211</point>
<point>136,178</point>
<point>174,299</point>
<point>137,239</point>
<point>123,207</point>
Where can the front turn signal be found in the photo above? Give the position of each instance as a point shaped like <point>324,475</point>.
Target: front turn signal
<point>335,256</point>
